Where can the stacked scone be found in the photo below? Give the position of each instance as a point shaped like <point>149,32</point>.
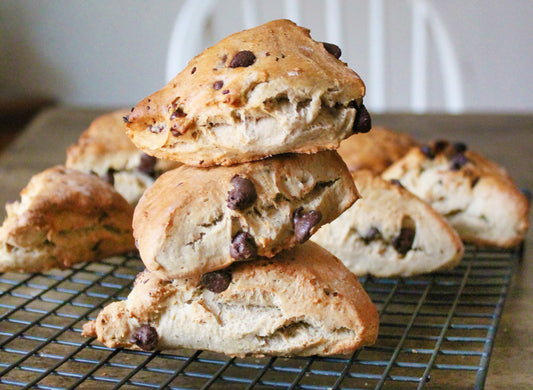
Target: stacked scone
<point>224,237</point>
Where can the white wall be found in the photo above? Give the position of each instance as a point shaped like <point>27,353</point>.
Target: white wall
<point>112,52</point>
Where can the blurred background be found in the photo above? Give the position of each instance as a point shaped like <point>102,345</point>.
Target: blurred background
<point>114,53</point>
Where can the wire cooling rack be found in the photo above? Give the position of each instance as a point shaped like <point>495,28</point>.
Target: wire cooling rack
<point>437,329</point>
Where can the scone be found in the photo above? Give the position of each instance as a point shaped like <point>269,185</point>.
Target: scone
<point>106,150</point>
<point>390,232</point>
<point>257,93</point>
<point>477,197</point>
<point>197,220</point>
<point>302,302</point>
<point>64,217</point>
<point>375,150</point>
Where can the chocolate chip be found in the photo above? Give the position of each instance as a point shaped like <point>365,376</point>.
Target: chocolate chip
<point>404,241</point>
<point>440,146</point>
<point>145,338</point>
<point>193,70</point>
<point>110,176</point>
<point>178,114</point>
<point>243,58</point>
<point>428,151</point>
<point>243,193</point>
<point>216,281</point>
<point>460,147</point>
<point>372,234</point>
<point>147,164</point>
<point>126,119</point>
<point>363,122</point>
<point>225,92</point>
<point>243,246</point>
<point>332,49</point>
<point>396,182</point>
<point>218,84</point>
<point>458,161</point>
<point>304,222</point>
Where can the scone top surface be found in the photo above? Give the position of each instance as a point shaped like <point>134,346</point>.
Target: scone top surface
<point>104,145</point>
<point>477,196</point>
<point>197,220</point>
<point>227,107</point>
<point>63,217</point>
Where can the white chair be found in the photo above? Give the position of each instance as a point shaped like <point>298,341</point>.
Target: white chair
<point>193,31</point>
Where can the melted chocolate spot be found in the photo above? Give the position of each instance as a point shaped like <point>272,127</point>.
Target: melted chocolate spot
<point>332,49</point>
<point>243,58</point>
<point>363,122</point>
<point>396,182</point>
<point>243,193</point>
<point>110,176</point>
<point>145,338</point>
<point>218,84</point>
<point>216,281</point>
<point>440,146</point>
<point>243,246</point>
<point>458,161</point>
<point>460,147</point>
<point>372,234</point>
<point>404,241</point>
<point>428,151</point>
<point>304,222</point>
<point>178,114</point>
<point>147,165</point>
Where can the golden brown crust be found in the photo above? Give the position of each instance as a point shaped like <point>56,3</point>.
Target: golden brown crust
<point>64,217</point>
<point>294,97</point>
<point>302,302</point>
<point>184,226</point>
<point>375,150</point>
<point>476,195</point>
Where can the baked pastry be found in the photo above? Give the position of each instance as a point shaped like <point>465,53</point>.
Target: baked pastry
<point>64,217</point>
<point>477,197</point>
<point>257,93</point>
<point>197,220</point>
<point>375,150</point>
<point>106,150</point>
<point>301,302</point>
<point>390,232</point>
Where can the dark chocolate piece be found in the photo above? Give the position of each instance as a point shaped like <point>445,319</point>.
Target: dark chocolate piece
<point>404,241</point>
<point>372,234</point>
<point>363,122</point>
<point>243,58</point>
<point>216,281</point>
<point>304,222</point>
<point>332,49</point>
<point>145,338</point>
<point>458,161</point>
<point>147,165</point>
<point>243,246</point>
<point>243,193</point>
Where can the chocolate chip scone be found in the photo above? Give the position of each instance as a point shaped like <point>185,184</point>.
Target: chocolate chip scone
<point>301,302</point>
<point>106,150</point>
<point>64,217</point>
<point>390,232</point>
<point>260,92</point>
<point>477,196</point>
<point>196,220</point>
<point>376,150</point>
